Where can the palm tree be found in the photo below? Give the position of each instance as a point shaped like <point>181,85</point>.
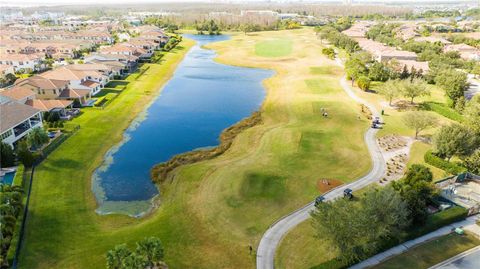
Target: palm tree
<point>152,249</point>
<point>116,256</point>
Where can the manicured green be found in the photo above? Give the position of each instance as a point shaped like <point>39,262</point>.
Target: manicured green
<point>431,252</point>
<point>274,48</point>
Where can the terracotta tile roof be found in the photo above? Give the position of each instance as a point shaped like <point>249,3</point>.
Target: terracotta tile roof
<point>433,39</point>
<point>89,67</point>
<point>47,105</point>
<point>459,47</point>
<point>74,93</point>
<point>17,93</point>
<point>418,65</point>
<point>13,113</point>
<point>21,57</point>
<point>63,73</point>
<point>118,48</point>
<point>90,84</point>
<point>41,82</point>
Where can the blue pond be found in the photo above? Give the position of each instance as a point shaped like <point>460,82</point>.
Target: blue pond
<point>200,100</point>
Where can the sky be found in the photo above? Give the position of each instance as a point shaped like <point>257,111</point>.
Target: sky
<point>63,2</point>
<point>93,2</point>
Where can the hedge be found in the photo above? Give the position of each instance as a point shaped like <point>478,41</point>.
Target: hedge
<point>12,249</point>
<point>18,179</point>
<point>438,162</point>
<point>439,220</point>
<point>443,110</point>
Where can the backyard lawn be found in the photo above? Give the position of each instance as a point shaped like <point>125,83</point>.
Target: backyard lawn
<point>431,252</point>
<point>211,211</point>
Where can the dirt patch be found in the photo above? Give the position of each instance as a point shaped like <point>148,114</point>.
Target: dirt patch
<point>325,184</point>
<point>403,105</point>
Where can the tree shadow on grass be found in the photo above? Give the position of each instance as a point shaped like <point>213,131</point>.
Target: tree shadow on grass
<point>53,165</point>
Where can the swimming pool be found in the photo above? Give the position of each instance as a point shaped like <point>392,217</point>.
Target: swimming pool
<point>7,178</point>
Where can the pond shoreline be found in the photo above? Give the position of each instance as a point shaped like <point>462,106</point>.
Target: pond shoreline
<point>160,172</point>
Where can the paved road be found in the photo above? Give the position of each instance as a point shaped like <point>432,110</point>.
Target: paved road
<point>272,237</point>
<point>467,260</point>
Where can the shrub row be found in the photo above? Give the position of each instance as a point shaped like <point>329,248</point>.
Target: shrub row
<point>439,220</point>
<point>12,249</point>
<point>443,110</point>
<point>18,179</point>
<point>438,162</point>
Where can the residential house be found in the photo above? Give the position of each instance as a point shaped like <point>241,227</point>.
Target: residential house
<point>78,79</point>
<point>17,120</point>
<point>23,62</point>
<point>106,70</point>
<point>125,49</point>
<point>410,64</point>
<point>432,39</point>
<point>467,52</point>
<point>407,31</point>
<point>358,30</point>
<point>19,94</point>
<point>50,105</point>
<point>129,61</point>
<point>6,69</point>
<point>385,53</point>
<point>43,88</point>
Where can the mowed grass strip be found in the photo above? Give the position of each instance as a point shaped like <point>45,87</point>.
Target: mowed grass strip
<point>431,252</point>
<point>274,48</point>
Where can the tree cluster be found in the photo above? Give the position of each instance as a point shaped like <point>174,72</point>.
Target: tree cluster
<point>384,33</point>
<point>337,39</point>
<point>410,89</point>
<point>359,229</point>
<point>148,253</point>
<point>210,27</point>
<point>417,190</point>
<point>163,23</point>
<point>356,230</point>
